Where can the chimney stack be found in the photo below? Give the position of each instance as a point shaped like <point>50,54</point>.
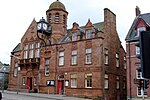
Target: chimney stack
<point>137,11</point>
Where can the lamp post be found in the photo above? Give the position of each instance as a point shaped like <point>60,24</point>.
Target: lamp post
<point>18,79</point>
<point>45,29</point>
<point>18,70</point>
<point>3,79</point>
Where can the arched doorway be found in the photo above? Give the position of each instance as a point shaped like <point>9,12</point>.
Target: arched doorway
<point>29,79</point>
<point>60,84</point>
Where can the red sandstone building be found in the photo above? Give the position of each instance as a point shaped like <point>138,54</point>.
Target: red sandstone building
<point>140,23</point>
<point>84,61</point>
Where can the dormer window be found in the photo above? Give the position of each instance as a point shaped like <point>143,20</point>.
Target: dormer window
<point>88,34</point>
<point>74,36</point>
<point>57,18</point>
<point>140,29</point>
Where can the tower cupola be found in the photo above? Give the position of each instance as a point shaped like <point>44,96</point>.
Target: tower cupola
<point>57,17</point>
<point>57,5</point>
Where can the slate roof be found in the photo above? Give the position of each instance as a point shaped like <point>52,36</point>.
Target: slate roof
<point>1,64</point>
<point>97,26</point>
<point>131,36</point>
<point>17,48</point>
<point>7,69</point>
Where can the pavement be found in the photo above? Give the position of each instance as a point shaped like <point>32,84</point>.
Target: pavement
<point>47,96</point>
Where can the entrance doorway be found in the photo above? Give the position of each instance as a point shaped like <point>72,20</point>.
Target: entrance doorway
<point>60,87</point>
<point>29,83</point>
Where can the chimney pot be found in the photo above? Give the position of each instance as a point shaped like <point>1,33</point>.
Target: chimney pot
<point>137,11</point>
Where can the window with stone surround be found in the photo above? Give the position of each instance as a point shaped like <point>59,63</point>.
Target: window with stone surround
<point>106,82</point>
<point>106,56</point>
<point>16,69</point>
<point>117,60</point>
<point>73,80</point>
<point>47,62</point>
<point>25,51</point>
<point>37,50</point>
<point>74,57</point>
<point>88,80</point>
<point>125,63</point>
<point>31,50</point>
<point>88,56</point>
<point>61,58</point>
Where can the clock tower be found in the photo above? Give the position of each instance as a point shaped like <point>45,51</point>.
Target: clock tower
<point>57,17</point>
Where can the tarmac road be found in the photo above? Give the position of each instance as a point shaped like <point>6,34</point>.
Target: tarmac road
<point>10,95</point>
<point>22,97</point>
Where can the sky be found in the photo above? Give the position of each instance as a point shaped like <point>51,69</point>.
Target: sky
<point>17,15</point>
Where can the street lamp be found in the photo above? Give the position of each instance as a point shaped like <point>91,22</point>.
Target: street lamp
<point>18,71</point>
<point>18,79</point>
<point>45,29</point>
<point>3,79</point>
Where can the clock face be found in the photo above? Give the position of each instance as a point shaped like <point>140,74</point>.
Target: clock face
<point>44,26</point>
<point>39,26</point>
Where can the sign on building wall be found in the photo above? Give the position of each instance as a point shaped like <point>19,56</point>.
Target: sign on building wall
<point>50,82</point>
<point>66,82</point>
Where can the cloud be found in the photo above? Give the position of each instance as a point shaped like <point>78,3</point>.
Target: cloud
<point>16,16</point>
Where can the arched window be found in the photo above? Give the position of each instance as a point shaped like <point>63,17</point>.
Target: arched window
<point>64,19</point>
<point>57,18</point>
<point>50,17</point>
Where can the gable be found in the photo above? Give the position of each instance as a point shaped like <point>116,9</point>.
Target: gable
<point>140,23</point>
<point>141,20</point>
<point>30,33</point>
<point>89,24</point>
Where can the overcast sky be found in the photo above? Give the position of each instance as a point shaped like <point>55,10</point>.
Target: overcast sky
<point>16,16</point>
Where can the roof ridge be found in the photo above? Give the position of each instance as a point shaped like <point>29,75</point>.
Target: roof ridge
<point>84,25</point>
<point>144,14</point>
